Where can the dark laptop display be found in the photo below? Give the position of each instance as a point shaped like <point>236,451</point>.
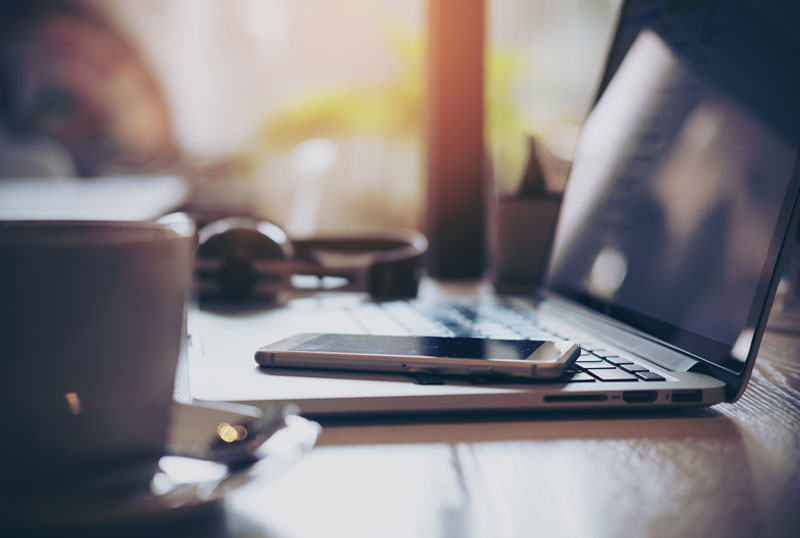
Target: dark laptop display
<point>686,177</point>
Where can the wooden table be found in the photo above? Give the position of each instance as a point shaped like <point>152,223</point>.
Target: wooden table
<point>730,470</point>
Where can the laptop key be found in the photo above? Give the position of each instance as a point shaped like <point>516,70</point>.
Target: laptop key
<point>650,376</point>
<point>596,365</point>
<point>376,320</point>
<point>603,354</point>
<point>619,361</point>
<point>457,329</point>
<point>633,368</point>
<point>580,377</point>
<point>613,375</point>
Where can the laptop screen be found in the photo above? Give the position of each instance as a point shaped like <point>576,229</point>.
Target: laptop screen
<point>685,177</point>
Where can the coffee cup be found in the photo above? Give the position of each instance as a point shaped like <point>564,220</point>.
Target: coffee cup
<point>92,317</point>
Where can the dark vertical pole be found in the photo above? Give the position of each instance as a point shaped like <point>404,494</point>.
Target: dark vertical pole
<point>456,211</point>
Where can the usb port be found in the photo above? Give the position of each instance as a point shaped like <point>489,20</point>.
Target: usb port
<point>687,396</point>
<point>639,396</point>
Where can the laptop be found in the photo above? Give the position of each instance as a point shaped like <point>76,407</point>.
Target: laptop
<point>676,216</point>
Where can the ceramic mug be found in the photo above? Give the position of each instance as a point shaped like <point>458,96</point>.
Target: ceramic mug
<point>92,316</point>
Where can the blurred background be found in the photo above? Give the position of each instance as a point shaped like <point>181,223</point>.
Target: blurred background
<point>308,112</point>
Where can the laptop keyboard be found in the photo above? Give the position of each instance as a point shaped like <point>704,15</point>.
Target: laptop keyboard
<point>500,320</point>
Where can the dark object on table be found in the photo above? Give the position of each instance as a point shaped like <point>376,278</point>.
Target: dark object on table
<point>242,257</point>
<point>522,230</point>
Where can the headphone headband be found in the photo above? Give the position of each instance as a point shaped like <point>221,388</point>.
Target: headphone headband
<point>239,256</point>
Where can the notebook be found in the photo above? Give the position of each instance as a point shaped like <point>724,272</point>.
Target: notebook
<point>666,255</point>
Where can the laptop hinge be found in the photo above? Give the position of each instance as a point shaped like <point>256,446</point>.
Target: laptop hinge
<point>700,367</point>
<point>619,335</point>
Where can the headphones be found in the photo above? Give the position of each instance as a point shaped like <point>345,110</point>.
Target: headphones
<point>240,257</point>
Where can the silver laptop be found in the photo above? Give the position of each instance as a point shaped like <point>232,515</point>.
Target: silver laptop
<point>677,213</point>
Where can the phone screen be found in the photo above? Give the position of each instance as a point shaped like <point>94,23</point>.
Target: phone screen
<point>427,346</point>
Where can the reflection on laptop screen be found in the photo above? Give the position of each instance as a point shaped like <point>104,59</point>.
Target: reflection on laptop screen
<point>683,182</point>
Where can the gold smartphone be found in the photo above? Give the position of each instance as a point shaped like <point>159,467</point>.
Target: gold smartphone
<point>451,356</point>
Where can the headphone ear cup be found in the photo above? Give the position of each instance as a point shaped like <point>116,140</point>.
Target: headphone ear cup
<point>228,253</point>
<point>398,277</point>
<point>236,277</point>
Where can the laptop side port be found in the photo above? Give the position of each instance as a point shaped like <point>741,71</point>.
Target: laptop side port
<point>639,396</point>
<point>687,396</point>
<point>572,398</point>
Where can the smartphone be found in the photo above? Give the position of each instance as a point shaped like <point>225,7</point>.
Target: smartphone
<point>459,356</point>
